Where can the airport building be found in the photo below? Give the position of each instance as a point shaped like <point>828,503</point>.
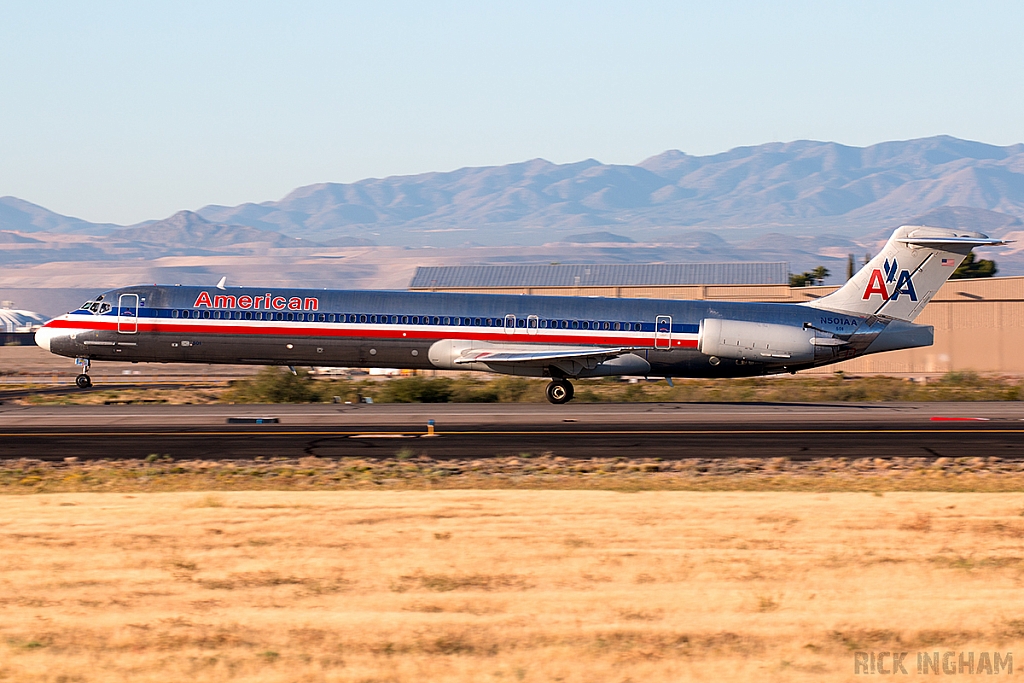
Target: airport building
<point>17,328</point>
<point>979,324</point>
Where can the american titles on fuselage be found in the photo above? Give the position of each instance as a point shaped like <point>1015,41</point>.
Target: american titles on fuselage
<point>266,301</point>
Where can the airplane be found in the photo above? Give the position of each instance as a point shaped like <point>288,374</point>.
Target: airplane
<point>563,338</point>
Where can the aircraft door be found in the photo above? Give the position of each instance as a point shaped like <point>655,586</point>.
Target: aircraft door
<point>128,314</point>
<point>663,332</point>
<point>532,323</point>
<point>510,324</point>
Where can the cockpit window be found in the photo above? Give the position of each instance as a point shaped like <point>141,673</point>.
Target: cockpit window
<point>96,307</point>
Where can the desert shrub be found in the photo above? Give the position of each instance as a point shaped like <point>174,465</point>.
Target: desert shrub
<point>416,390</point>
<point>511,389</point>
<point>275,385</point>
<point>473,390</point>
<point>499,390</point>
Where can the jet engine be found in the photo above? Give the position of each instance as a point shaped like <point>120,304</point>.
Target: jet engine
<point>758,342</point>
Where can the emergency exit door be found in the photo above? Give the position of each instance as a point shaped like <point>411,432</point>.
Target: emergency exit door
<point>663,332</point>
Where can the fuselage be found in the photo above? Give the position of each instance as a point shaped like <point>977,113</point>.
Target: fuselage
<point>425,330</point>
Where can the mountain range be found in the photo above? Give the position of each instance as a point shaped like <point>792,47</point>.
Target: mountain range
<point>796,187</point>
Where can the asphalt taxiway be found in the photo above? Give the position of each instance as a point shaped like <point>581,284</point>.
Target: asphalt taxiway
<point>677,430</point>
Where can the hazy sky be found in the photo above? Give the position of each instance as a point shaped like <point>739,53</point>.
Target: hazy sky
<point>125,111</point>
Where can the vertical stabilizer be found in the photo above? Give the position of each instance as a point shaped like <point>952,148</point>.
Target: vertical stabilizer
<point>904,276</point>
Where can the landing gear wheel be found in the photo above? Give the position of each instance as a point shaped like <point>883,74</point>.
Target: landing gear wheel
<point>559,391</point>
<point>83,381</point>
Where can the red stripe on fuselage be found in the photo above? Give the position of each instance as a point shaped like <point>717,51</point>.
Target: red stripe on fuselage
<point>543,335</point>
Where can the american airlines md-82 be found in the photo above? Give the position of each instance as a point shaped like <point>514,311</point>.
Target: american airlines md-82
<point>563,338</point>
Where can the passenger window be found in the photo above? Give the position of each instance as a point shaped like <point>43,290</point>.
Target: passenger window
<point>291,317</point>
<point>476,321</point>
<point>616,326</point>
<point>437,320</point>
<point>206,314</point>
<point>405,320</point>
<point>447,321</point>
<point>575,324</point>
<point>174,313</point>
<point>321,317</point>
<point>362,318</point>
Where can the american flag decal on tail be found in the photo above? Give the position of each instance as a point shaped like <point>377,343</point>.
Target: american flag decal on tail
<point>948,262</point>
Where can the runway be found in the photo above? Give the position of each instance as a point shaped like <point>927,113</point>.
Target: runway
<point>679,430</point>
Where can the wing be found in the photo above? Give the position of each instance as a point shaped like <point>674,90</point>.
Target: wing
<point>569,361</point>
<point>541,357</point>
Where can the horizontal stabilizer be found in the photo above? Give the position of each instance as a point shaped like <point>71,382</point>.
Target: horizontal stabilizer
<point>952,241</point>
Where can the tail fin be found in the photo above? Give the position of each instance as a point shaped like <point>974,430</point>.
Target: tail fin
<point>905,275</point>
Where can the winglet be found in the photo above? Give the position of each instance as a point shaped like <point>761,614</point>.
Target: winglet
<point>223,281</point>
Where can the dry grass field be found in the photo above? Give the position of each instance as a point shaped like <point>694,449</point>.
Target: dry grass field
<point>501,585</point>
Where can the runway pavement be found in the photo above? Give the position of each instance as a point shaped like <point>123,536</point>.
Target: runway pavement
<point>678,430</point>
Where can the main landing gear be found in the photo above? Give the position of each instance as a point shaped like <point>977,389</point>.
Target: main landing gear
<point>559,391</point>
<point>83,381</point>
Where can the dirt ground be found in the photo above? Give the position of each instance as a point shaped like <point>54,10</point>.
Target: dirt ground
<point>511,585</point>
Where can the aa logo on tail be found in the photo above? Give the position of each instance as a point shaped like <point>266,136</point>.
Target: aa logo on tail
<point>879,284</point>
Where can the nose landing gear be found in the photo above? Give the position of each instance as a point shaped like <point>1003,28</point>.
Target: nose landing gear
<point>83,381</point>
<point>559,391</point>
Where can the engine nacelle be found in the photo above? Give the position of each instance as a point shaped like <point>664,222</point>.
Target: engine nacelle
<point>758,342</point>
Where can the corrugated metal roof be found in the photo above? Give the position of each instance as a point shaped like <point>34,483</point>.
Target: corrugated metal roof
<point>20,321</point>
<point>608,275</point>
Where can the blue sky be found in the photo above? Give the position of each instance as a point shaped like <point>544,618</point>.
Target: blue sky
<point>125,111</point>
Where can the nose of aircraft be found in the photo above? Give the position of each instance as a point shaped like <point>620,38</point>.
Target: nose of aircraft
<point>43,336</point>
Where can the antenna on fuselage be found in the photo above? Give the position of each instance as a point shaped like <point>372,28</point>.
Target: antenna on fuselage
<point>223,281</point>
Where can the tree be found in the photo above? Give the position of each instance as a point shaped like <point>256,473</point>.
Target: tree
<point>806,279</point>
<point>850,269</point>
<point>972,268</point>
